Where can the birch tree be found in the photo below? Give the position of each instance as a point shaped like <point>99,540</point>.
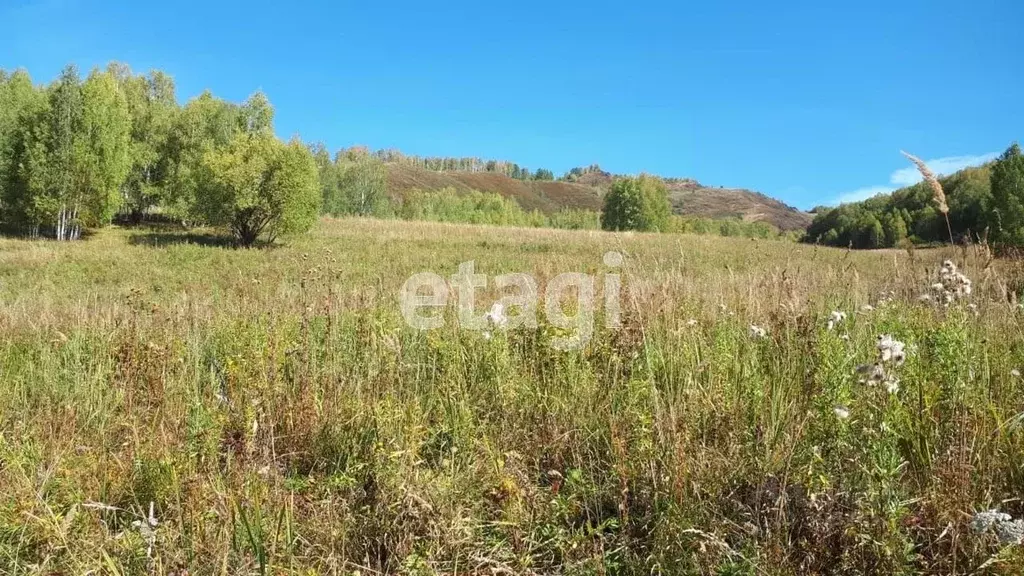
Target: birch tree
<point>205,124</point>
<point>152,108</point>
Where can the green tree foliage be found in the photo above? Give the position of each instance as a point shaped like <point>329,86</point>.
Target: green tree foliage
<point>106,126</point>
<point>153,110</point>
<point>724,227</point>
<point>355,183</point>
<point>55,158</point>
<point>205,124</point>
<point>578,172</point>
<point>895,229</point>
<point>256,115</point>
<point>22,113</point>
<point>362,188</point>
<point>1008,195</point>
<point>448,205</point>
<point>909,213</point>
<point>74,156</point>
<point>636,204</point>
<point>260,188</point>
<point>466,164</point>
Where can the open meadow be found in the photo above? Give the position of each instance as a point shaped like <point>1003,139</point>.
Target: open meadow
<point>169,405</point>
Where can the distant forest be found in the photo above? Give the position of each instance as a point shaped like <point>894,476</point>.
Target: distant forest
<point>983,202</point>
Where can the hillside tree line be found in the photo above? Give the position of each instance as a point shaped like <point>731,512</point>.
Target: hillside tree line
<point>986,201</point>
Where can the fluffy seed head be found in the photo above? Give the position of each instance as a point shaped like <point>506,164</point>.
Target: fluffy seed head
<point>938,195</point>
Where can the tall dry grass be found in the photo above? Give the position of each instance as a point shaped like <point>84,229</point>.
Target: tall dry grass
<point>281,418</point>
<point>933,182</point>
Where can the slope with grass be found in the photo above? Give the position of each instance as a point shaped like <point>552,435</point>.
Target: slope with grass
<point>688,197</point>
<point>172,407</point>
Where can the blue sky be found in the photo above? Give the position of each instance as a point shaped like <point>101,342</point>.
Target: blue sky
<point>809,102</point>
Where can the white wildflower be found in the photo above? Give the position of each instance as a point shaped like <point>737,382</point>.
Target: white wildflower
<point>845,337</point>
<point>841,412</point>
<point>147,529</point>
<point>874,373</point>
<point>892,385</point>
<point>867,308</point>
<point>835,318</point>
<point>757,332</point>
<point>691,322</point>
<point>496,316</point>
<point>1015,373</point>
<point>891,350</point>
<point>952,284</point>
<point>924,298</point>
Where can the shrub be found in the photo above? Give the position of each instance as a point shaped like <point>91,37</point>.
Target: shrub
<point>260,187</point>
<point>636,204</point>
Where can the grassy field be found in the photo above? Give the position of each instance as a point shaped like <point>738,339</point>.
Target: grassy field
<point>170,406</point>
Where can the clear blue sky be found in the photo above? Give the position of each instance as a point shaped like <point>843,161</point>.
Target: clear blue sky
<point>809,102</point>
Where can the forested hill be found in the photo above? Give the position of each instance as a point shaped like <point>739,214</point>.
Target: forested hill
<point>910,213</point>
<point>547,196</point>
<point>581,188</point>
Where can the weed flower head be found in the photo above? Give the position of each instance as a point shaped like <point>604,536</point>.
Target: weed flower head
<point>952,284</point>
<point>757,332</point>
<point>496,316</point>
<point>891,350</point>
<point>835,318</point>
<point>147,529</point>
<point>873,373</point>
<point>841,412</point>
<point>1015,373</point>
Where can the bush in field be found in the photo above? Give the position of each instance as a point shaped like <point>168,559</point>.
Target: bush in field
<point>636,204</point>
<point>260,187</point>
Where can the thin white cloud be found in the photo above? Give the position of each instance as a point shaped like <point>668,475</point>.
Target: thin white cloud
<point>863,194</point>
<point>909,176</point>
<point>941,166</point>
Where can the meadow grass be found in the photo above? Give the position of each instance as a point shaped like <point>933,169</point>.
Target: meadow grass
<point>274,412</point>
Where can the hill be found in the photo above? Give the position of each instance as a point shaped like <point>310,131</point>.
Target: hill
<point>545,196</point>
<point>688,197</point>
